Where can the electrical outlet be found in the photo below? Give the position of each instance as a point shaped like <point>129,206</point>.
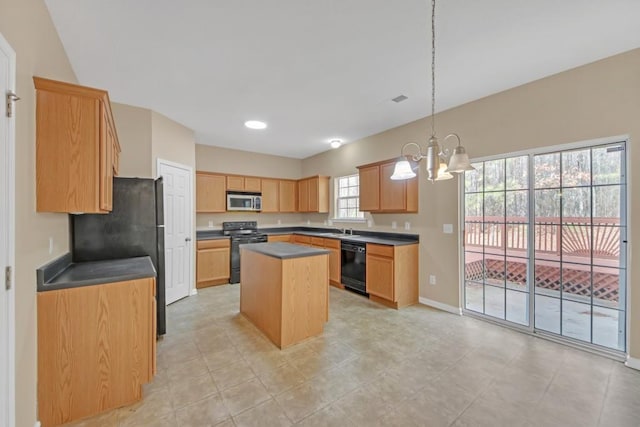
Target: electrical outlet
<point>326,222</point>
<point>394,225</point>
<point>210,224</point>
<point>407,225</point>
<point>432,279</point>
<point>447,228</point>
<point>50,245</point>
<point>369,223</point>
<point>308,222</point>
<point>329,223</point>
<point>279,222</point>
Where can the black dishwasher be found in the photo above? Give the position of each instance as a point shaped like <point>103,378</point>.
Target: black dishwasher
<point>354,266</point>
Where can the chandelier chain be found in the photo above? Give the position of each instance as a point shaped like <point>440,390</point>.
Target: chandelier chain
<point>433,67</point>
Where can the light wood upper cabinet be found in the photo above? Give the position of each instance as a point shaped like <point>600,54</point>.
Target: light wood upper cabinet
<point>303,195</point>
<point>392,274</point>
<point>369,188</point>
<point>243,183</point>
<point>278,195</point>
<point>380,194</point>
<point>270,195</point>
<point>287,195</point>
<point>252,184</point>
<point>213,265</point>
<point>77,148</point>
<point>96,348</point>
<point>313,194</point>
<point>210,192</point>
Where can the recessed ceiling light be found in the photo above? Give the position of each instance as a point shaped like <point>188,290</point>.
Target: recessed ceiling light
<point>336,143</point>
<point>255,124</point>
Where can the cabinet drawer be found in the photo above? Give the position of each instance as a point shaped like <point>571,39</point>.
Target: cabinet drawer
<point>381,250</point>
<point>209,244</point>
<point>280,238</point>
<point>332,243</point>
<point>302,239</point>
<point>317,241</point>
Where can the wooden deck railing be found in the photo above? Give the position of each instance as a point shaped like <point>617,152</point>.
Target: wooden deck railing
<point>574,236</point>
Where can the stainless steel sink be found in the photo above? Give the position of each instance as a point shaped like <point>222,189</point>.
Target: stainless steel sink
<point>339,235</point>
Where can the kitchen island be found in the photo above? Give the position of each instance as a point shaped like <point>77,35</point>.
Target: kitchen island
<point>285,290</point>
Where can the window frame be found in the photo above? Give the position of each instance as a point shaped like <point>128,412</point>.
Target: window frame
<point>337,198</point>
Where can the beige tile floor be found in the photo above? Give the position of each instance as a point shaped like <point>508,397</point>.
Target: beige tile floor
<point>373,366</point>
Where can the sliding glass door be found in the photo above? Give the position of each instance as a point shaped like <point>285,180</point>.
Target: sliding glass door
<point>555,220</point>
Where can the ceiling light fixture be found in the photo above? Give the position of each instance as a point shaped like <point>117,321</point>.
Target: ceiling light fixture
<point>436,157</point>
<point>336,143</point>
<point>255,124</point>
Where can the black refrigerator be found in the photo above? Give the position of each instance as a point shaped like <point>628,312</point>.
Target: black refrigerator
<point>135,227</point>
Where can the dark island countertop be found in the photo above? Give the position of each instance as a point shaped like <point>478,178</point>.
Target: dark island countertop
<point>62,273</point>
<point>284,250</point>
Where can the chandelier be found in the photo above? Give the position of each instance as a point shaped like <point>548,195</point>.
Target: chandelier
<point>438,168</point>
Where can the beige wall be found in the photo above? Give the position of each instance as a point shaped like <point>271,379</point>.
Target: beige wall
<point>171,141</point>
<point>594,101</point>
<point>28,28</point>
<point>225,160</point>
<point>133,126</point>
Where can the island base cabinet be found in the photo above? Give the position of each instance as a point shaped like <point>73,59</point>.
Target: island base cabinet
<point>96,348</point>
<point>287,299</point>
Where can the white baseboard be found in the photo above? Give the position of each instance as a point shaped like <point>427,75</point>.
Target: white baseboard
<point>633,363</point>
<point>194,291</point>
<point>441,306</point>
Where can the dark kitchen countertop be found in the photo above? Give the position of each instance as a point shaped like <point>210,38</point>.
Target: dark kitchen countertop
<point>62,273</point>
<point>284,250</point>
<point>210,235</point>
<point>362,236</point>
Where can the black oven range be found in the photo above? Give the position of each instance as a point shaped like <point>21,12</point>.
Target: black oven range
<point>241,233</point>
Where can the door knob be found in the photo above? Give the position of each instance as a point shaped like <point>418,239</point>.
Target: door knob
<point>187,239</point>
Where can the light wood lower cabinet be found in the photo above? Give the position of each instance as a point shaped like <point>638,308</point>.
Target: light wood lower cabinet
<point>96,347</point>
<point>286,238</point>
<point>213,263</point>
<point>335,261</point>
<point>302,240</point>
<point>335,258</point>
<point>392,274</point>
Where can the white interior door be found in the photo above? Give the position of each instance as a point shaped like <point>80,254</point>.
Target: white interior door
<point>7,179</point>
<point>177,229</point>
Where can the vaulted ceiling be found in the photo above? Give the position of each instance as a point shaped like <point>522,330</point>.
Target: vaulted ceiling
<point>321,70</point>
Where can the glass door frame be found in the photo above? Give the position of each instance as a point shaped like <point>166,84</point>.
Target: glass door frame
<point>624,247</point>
